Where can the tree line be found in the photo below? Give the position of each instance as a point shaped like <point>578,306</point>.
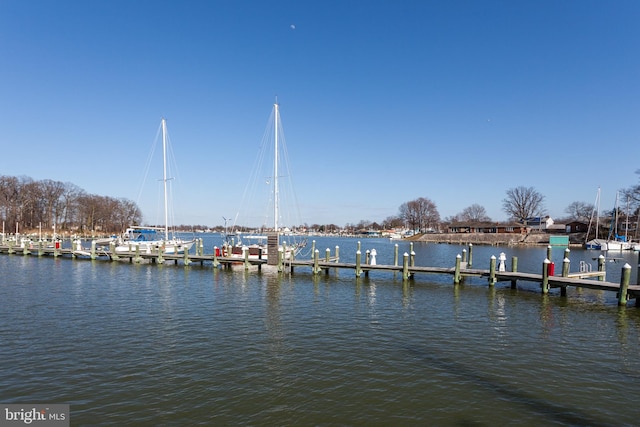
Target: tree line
<point>520,203</point>
<point>46,203</point>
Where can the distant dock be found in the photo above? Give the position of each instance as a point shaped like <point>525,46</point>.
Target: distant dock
<point>461,269</point>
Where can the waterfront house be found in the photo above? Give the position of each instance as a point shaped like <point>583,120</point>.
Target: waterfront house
<point>539,222</point>
<point>576,227</point>
<point>486,227</point>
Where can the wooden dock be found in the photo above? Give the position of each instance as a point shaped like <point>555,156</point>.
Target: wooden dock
<point>408,270</point>
<point>97,253</point>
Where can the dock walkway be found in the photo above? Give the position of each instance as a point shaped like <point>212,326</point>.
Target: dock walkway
<point>462,269</point>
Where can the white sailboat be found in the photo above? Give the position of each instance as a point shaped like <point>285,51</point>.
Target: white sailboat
<point>256,243</point>
<point>616,242</point>
<point>151,239</point>
<point>595,244</point>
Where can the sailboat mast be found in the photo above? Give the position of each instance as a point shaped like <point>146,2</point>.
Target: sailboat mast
<point>626,224</point>
<point>164,178</point>
<point>598,213</point>
<point>276,194</point>
<point>615,218</point>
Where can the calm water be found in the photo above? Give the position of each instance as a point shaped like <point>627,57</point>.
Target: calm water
<point>168,345</point>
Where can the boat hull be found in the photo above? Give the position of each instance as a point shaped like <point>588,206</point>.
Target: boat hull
<point>167,247</point>
<point>596,245</point>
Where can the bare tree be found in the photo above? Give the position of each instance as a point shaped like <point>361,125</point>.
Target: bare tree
<point>52,192</point>
<point>580,211</point>
<point>392,222</point>
<point>32,203</point>
<point>474,213</point>
<point>523,202</point>
<point>632,194</point>
<point>128,214</point>
<point>421,214</point>
<point>364,224</point>
<point>452,218</point>
<point>69,205</point>
<point>9,199</point>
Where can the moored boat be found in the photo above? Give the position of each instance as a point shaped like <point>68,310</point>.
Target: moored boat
<point>259,247</point>
<point>596,244</point>
<point>148,239</point>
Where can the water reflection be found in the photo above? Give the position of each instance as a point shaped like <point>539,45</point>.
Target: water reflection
<point>546,316</point>
<point>276,335</point>
<point>406,294</point>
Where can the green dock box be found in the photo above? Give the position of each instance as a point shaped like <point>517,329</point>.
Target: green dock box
<point>559,241</point>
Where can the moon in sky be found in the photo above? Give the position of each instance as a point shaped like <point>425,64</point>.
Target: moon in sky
<point>293,27</point>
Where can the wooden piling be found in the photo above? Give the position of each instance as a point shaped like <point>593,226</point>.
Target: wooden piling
<point>395,255</point>
<point>405,266</point>
<point>137,257</point>
<point>565,273</point>
<point>514,268</point>
<point>161,254</point>
<point>601,266</point>
<point>470,262</point>
<point>367,261</point>
<point>186,259</point>
<point>413,256</point>
<point>316,256</point>
<point>358,261</point>
<point>624,284</point>
<point>456,275</point>
<point>327,258</point>
<point>545,276</point>
<point>492,270</point>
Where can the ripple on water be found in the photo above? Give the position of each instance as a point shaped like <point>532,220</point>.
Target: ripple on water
<point>174,346</point>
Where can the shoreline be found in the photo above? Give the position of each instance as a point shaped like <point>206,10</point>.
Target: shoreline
<point>494,239</point>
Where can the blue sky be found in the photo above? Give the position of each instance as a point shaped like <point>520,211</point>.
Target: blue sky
<point>382,102</point>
